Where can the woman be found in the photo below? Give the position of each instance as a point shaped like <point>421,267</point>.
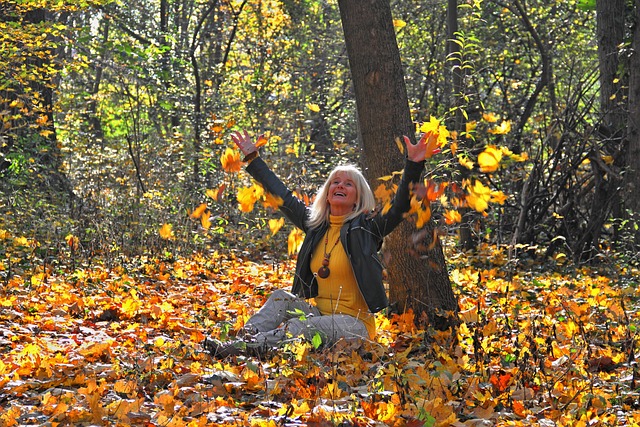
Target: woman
<point>338,264</point>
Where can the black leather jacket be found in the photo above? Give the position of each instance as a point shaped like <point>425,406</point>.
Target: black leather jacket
<point>361,237</point>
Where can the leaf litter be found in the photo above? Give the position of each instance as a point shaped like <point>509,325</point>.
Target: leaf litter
<point>123,346</point>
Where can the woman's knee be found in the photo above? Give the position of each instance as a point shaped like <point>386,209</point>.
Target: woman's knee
<point>282,294</point>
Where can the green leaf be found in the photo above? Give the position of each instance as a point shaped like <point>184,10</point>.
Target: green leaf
<point>316,341</point>
<point>587,5</point>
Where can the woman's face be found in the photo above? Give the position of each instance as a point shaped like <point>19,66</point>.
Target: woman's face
<point>342,195</point>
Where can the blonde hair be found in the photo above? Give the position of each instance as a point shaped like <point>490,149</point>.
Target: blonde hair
<point>365,201</point>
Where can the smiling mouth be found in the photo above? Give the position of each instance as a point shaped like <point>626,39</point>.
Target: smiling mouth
<point>339,194</point>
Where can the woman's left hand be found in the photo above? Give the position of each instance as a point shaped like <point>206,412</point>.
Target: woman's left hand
<point>426,147</point>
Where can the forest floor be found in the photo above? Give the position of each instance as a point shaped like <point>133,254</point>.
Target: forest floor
<point>121,345</point>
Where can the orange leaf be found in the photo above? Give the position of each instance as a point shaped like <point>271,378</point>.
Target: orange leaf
<point>501,381</point>
<point>166,232</point>
<point>518,408</point>
<point>262,140</point>
<point>197,213</point>
<point>452,217</point>
<point>271,201</point>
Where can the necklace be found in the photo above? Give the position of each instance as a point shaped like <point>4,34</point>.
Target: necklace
<point>324,271</point>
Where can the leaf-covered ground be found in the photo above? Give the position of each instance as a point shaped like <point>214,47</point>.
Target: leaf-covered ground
<point>122,346</point>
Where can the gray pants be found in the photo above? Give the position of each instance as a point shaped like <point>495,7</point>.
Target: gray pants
<point>285,315</point>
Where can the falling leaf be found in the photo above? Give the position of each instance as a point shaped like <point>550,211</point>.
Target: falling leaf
<point>489,159</point>
<point>275,225</point>
<point>313,107</point>
<point>400,146</point>
<point>166,231</point>
<point>435,190</point>
<point>452,217</point>
<point>248,196</point>
<point>383,194</point>
<point>197,212</point>
<point>231,161</point>
<point>465,161</point>
<point>271,201</point>
<point>489,117</point>
<point>503,129</point>
<point>262,140</point>
<point>205,220</point>
<point>399,23</point>
<point>217,193</point>
<point>479,196</point>
<point>470,127</point>
<point>294,241</point>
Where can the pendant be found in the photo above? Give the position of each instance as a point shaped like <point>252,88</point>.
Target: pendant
<point>323,272</point>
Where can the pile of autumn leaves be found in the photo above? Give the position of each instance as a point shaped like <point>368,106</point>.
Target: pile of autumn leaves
<point>121,345</point>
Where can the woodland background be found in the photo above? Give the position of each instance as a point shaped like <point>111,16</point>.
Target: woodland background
<point>128,230</point>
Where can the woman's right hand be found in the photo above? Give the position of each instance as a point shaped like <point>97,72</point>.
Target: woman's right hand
<point>245,145</point>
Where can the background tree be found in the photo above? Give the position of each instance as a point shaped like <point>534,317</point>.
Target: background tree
<point>633,130</point>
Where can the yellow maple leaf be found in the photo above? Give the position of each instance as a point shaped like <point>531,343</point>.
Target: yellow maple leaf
<point>166,231</point>
<point>231,161</point>
<point>131,306</point>
<point>20,241</point>
<point>294,241</point>
<point>438,130</point>
<point>478,197</point>
<point>313,107</point>
<point>503,129</point>
<point>489,159</point>
<point>275,225</point>
<point>248,196</point>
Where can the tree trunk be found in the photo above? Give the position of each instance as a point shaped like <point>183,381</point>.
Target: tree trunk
<point>633,130</point>
<point>420,282</point>
<point>610,17</point>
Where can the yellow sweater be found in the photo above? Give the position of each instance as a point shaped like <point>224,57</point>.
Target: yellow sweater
<point>339,292</point>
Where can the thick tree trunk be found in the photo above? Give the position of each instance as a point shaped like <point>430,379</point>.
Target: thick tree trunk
<point>610,33</point>
<point>420,282</point>
<point>633,129</point>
